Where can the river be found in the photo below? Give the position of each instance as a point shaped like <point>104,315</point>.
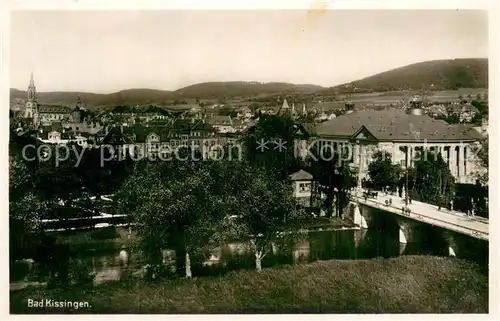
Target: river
<point>113,265</point>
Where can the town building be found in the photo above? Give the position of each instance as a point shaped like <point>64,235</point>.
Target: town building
<point>302,182</point>
<point>437,110</point>
<point>56,134</point>
<point>402,134</point>
<point>50,113</point>
<point>226,124</point>
<point>143,141</point>
<point>467,112</point>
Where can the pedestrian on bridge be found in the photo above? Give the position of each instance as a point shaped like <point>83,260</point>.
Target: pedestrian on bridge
<point>440,202</point>
<point>472,208</point>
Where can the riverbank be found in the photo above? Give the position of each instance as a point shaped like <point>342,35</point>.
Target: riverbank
<point>408,284</point>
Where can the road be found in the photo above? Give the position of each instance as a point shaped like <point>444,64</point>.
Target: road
<point>452,220</point>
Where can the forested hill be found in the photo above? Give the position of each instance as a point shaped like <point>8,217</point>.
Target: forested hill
<point>209,90</point>
<point>438,75</point>
<point>244,89</point>
<point>450,74</point>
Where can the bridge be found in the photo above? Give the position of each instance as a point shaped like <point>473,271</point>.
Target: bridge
<point>453,225</point>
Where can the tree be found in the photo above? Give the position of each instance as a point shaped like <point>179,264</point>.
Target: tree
<point>382,171</point>
<point>450,119</point>
<point>253,107</point>
<point>334,177</point>
<point>25,210</point>
<point>482,160</point>
<point>26,207</point>
<point>269,213</point>
<point>270,144</point>
<point>431,179</point>
<point>175,206</point>
<point>227,111</point>
<point>481,106</point>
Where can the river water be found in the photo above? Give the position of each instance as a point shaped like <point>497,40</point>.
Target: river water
<point>113,265</point>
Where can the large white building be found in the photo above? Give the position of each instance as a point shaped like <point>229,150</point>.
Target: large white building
<point>402,134</point>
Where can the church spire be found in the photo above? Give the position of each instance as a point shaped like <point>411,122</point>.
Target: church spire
<point>285,105</point>
<point>32,89</point>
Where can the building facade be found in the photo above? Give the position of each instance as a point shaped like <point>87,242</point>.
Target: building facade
<point>161,142</point>
<point>302,182</point>
<point>405,136</point>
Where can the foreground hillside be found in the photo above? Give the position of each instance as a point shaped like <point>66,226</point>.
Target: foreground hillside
<point>406,284</point>
<point>450,74</point>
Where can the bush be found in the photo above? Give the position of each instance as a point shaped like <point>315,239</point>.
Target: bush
<point>18,270</point>
<point>105,233</point>
<point>81,272</point>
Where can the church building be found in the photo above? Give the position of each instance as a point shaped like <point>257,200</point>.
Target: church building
<point>38,114</point>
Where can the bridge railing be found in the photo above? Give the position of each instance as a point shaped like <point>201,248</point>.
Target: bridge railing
<point>427,218</point>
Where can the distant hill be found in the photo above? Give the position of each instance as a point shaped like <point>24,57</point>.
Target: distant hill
<point>209,90</point>
<point>129,97</point>
<point>213,90</point>
<point>448,74</point>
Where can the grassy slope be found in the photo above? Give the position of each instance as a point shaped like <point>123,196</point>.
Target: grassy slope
<point>405,284</point>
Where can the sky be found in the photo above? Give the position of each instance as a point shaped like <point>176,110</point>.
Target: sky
<point>109,51</point>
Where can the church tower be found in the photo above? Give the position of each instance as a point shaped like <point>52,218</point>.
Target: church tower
<point>31,110</point>
<point>285,108</point>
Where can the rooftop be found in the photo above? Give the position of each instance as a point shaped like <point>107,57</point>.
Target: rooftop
<point>53,109</point>
<point>301,175</point>
<point>220,120</point>
<point>395,125</point>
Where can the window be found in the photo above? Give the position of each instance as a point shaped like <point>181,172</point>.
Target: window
<point>403,163</point>
<point>304,187</point>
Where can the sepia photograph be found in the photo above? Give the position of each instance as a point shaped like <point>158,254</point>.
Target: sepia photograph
<point>248,161</point>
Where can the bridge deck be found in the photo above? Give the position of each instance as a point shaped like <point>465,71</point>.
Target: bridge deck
<point>476,227</point>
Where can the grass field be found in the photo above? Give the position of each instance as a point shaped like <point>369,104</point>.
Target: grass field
<point>395,96</point>
<point>405,284</point>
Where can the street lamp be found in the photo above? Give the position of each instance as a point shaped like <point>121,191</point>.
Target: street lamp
<point>406,173</point>
<point>359,171</point>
